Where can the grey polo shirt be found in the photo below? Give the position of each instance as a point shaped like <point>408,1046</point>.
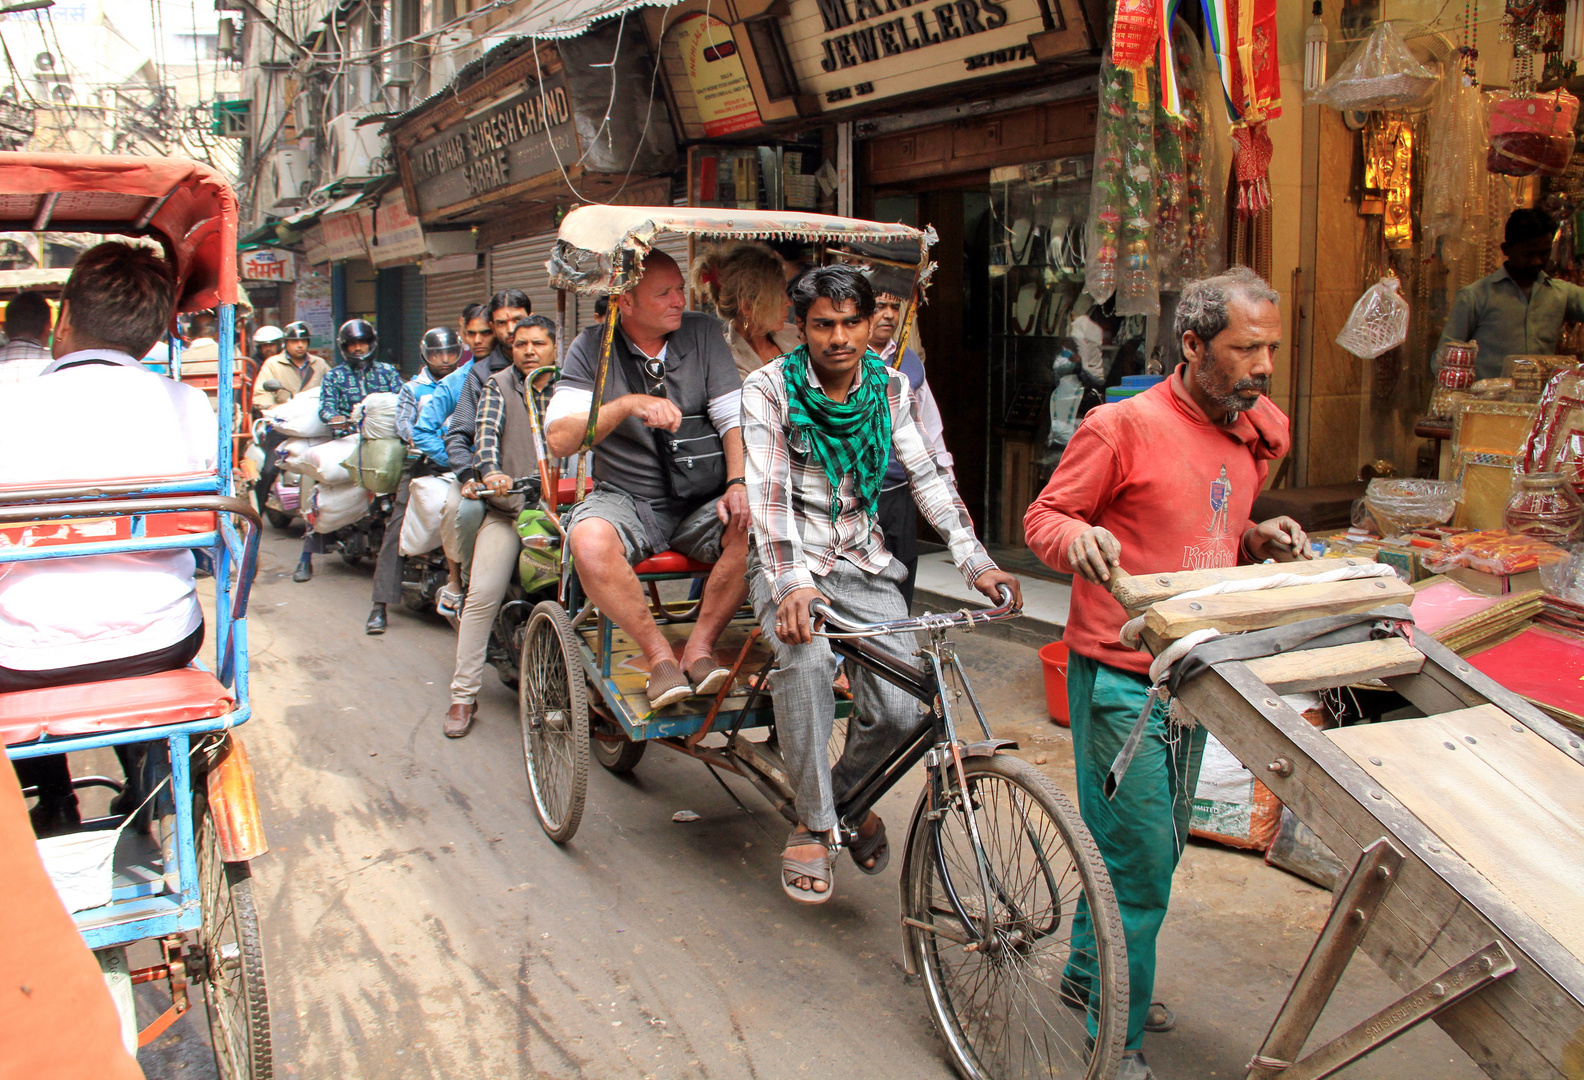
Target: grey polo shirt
<point>701,379</point>
<point>1494,312</point>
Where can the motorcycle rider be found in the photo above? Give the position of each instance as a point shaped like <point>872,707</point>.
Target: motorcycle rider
<point>267,343</point>
<point>505,448</point>
<point>295,370</point>
<point>441,349</point>
<point>355,378</point>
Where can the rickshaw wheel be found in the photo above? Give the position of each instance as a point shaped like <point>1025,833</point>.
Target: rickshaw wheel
<point>1005,1007</point>
<point>228,937</point>
<point>618,757</point>
<point>278,518</point>
<point>553,706</point>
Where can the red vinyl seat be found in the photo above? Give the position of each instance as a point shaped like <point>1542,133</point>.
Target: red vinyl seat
<point>170,697</point>
<point>672,562</point>
<point>566,490</point>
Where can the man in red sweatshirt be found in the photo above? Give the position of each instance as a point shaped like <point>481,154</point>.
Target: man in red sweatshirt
<point>1161,482</point>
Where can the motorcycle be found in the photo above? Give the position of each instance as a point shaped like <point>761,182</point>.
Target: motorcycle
<point>422,578</point>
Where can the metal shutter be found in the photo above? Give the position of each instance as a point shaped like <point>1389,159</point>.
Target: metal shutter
<point>445,295</point>
<point>413,314</point>
<point>521,265</point>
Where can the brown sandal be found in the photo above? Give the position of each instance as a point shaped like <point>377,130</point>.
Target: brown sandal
<point>873,847</point>
<point>795,868</point>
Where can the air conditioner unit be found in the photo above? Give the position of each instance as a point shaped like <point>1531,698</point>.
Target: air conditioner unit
<point>355,150</point>
<point>452,52</point>
<point>291,175</point>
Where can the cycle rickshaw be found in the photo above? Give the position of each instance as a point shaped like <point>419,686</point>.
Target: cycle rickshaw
<point>184,883</point>
<point>996,863</point>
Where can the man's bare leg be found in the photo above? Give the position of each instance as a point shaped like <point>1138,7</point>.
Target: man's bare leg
<point>724,592</point>
<point>609,581</point>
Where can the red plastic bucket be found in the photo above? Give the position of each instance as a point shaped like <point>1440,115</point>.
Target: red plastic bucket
<point>1053,658</point>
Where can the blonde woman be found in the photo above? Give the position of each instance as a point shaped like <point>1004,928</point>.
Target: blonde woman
<point>746,285</point>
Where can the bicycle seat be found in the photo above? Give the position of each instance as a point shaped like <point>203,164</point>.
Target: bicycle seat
<point>672,562</point>
<point>169,697</point>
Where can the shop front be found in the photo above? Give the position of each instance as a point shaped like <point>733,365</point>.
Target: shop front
<point>517,139</point>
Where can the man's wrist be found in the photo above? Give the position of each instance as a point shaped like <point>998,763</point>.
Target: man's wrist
<point>467,474</point>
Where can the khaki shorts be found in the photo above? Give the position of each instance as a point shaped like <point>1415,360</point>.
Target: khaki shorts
<point>647,528</point>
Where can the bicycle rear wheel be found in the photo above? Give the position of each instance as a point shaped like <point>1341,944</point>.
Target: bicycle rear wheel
<point>553,705</point>
<point>999,1002</point>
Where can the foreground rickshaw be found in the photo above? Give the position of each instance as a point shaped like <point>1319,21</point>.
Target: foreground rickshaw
<point>176,874</point>
<point>996,863</point>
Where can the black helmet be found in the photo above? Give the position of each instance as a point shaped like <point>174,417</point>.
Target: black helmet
<point>440,339</point>
<point>298,331</point>
<point>357,332</point>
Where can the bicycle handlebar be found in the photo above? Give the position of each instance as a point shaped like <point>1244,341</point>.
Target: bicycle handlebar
<point>834,626</point>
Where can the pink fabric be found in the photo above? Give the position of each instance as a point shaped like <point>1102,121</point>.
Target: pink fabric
<point>1172,487</point>
<point>1435,607</point>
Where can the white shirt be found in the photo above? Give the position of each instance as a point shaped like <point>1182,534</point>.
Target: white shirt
<point>929,413</point>
<point>99,422</point>
<point>20,360</point>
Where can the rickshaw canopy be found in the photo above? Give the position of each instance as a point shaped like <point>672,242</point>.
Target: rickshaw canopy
<point>600,249</point>
<point>186,206</point>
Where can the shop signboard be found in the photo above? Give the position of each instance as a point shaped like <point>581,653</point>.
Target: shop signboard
<point>314,250</point>
<point>267,264</point>
<point>346,235</point>
<point>714,70</point>
<point>526,135</point>
<point>397,235</point>
<point>856,52</point>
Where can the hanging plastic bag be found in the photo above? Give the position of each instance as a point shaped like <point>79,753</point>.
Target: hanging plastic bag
<point>1455,187</point>
<point>376,464</point>
<point>1381,74</point>
<point>1379,322</point>
<point>1533,135</point>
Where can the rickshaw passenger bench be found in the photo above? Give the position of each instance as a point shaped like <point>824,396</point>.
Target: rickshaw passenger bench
<point>168,697</point>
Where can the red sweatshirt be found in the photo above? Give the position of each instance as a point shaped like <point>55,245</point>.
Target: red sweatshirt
<point>1172,487</point>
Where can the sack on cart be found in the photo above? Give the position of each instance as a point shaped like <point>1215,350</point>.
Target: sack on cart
<point>375,416</point>
<point>335,506</point>
<point>426,498</point>
<point>299,416</point>
<point>376,464</point>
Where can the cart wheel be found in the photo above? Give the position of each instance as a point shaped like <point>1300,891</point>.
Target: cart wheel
<point>1006,1009</point>
<point>553,705</point>
<point>618,757</point>
<point>278,518</point>
<point>228,938</point>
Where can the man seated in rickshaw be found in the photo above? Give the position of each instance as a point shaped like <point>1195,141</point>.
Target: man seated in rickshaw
<point>819,426</point>
<point>670,369</point>
<point>100,617</point>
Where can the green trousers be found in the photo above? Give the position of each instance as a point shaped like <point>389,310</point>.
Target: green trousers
<point>1141,832</point>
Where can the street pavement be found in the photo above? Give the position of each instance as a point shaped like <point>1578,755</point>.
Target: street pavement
<point>417,923</point>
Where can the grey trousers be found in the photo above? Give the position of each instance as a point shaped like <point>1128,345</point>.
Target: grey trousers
<point>495,551</point>
<point>388,567</point>
<point>805,703</point>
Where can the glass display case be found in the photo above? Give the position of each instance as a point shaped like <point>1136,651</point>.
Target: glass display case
<point>1036,269</point>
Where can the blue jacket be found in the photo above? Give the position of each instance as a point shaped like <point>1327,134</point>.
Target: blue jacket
<point>430,428</point>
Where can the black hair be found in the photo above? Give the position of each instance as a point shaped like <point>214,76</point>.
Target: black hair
<point>121,296</point>
<point>544,322</point>
<point>1526,225</point>
<point>509,298</point>
<point>475,311</point>
<point>27,315</point>
<point>838,284</point>
<point>602,307</point>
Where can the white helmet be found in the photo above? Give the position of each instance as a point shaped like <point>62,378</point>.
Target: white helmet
<point>268,335</point>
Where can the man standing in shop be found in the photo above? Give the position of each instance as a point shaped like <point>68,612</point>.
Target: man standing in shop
<point>898,512</point>
<point>1159,483</point>
<point>1518,310</point>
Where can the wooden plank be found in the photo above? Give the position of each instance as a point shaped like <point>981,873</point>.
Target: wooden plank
<point>1439,911</point>
<point>1321,669</point>
<point>1138,591</point>
<point>1274,607</point>
<point>1508,803</point>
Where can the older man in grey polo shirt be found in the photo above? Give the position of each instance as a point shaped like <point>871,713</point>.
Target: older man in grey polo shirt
<point>1518,310</point>
<point>666,364</point>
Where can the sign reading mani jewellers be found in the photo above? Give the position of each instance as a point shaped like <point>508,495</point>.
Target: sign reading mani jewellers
<point>500,145</point>
<point>851,51</point>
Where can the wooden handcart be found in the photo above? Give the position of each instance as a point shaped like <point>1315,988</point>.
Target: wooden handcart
<point>1464,827</point>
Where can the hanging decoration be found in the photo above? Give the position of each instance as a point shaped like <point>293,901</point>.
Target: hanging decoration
<point>1456,184</point>
<point>1123,200</point>
<point>1531,134</point>
<point>1204,202</point>
<point>1388,177</point>
<point>1243,33</point>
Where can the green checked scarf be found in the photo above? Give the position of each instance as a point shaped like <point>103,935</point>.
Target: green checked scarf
<point>852,436</point>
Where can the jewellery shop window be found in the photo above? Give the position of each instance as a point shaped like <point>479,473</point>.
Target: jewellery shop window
<point>1037,218</point>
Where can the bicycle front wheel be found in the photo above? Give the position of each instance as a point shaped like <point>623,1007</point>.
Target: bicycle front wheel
<point>1015,990</point>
